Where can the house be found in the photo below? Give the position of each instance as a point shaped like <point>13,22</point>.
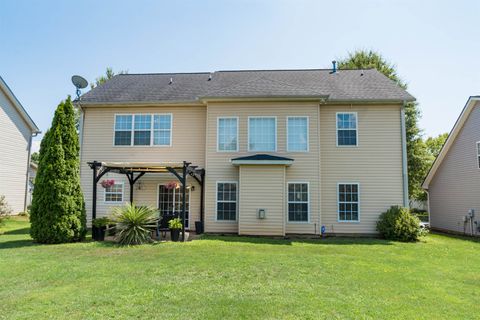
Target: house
<point>453,183</point>
<point>17,130</point>
<point>263,152</point>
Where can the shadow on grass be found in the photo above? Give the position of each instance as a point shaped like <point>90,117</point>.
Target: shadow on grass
<point>456,236</point>
<point>291,241</point>
<point>17,231</point>
<point>18,244</point>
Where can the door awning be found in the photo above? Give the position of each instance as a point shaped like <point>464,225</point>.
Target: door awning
<point>262,159</point>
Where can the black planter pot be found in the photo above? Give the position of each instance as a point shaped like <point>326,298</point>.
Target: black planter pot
<point>98,233</point>
<point>199,227</point>
<point>175,234</point>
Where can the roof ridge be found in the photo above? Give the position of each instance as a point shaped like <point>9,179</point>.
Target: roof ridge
<point>245,70</point>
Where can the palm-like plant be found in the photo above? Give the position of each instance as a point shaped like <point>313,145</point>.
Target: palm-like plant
<point>134,224</point>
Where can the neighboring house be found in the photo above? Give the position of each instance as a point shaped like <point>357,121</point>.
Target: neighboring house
<point>17,130</point>
<point>32,173</point>
<point>283,151</point>
<point>453,183</point>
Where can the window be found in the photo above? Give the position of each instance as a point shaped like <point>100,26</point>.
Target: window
<point>298,202</point>
<point>170,201</point>
<point>162,130</point>
<point>478,154</point>
<point>348,202</point>
<point>297,134</point>
<point>347,129</point>
<point>114,193</point>
<point>143,130</point>
<point>123,130</point>
<point>262,134</point>
<point>227,134</point>
<point>226,201</point>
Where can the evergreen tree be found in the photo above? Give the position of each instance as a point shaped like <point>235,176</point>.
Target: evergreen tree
<point>417,154</point>
<point>58,212</point>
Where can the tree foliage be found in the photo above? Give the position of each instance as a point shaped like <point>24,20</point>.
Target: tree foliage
<point>435,144</point>
<point>58,210</point>
<point>109,74</point>
<point>399,224</point>
<point>417,154</point>
<point>34,157</point>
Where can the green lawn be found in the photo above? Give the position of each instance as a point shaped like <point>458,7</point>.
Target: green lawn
<point>239,278</point>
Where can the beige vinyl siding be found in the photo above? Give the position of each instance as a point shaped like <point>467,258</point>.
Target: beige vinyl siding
<point>376,164</point>
<point>304,168</point>
<point>15,135</point>
<point>455,188</point>
<point>262,187</point>
<point>188,143</point>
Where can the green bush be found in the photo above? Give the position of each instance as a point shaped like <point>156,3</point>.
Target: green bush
<point>175,223</point>
<point>58,210</point>
<point>134,224</point>
<point>101,222</point>
<point>399,224</point>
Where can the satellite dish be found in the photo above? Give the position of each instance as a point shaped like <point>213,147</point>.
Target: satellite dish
<point>79,83</point>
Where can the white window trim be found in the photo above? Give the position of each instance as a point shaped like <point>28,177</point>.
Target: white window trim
<point>248,136</point>
<point>477,159</point>
<point>308,134</point>
<point>189,203</point>
<point>338,203</point>
<point>132,130</point>
<point>356,130</point>
<point>218,136</point>
<point>216,203</point>
<point>114,202</point>
<point>308,202</point>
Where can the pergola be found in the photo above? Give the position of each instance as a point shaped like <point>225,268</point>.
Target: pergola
<point>136,170</point>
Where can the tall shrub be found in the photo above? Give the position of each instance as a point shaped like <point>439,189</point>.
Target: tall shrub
<point>399,224</point>
<point>58,212</point>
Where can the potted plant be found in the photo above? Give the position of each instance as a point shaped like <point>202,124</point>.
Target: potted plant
<point>175,225</point>
<point>99,228</point>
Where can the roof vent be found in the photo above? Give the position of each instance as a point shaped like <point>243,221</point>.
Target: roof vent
<point>334,67</point>
<point>171,81</point>
<point>210,77</point>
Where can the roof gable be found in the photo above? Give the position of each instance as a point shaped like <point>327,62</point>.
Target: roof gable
<point>467,110</point>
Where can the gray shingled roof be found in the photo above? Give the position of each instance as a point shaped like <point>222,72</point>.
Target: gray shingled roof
<point>345,85</point>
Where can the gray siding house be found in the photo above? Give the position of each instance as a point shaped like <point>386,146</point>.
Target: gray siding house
<point>453,183</point>
<point>16,130</point>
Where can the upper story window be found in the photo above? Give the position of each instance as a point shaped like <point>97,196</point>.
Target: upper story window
<point>143,130</point>
<point>227,134</point>
<point>347,134</point>
<point>114,193</point>
<point>297,134</point>
<point>478,154</point>
<point>262,134</point>
<point>348,202</point>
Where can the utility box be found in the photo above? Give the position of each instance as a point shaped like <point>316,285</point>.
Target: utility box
<point>261,213</point>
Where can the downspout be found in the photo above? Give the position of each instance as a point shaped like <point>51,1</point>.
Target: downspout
<point>34,134</point>
<point>80,133</point>
<point>404,157</point>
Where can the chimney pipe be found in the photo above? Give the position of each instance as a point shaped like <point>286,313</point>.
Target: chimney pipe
<point>334,66</point>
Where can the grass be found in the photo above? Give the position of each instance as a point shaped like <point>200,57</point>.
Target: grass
<point>239,278</point>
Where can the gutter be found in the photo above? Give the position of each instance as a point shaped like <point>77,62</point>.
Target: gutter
<point>406,203</point>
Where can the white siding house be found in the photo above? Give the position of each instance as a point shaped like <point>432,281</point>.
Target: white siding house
<point>16,130</point>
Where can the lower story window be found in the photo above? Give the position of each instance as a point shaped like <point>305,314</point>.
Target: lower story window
<point>298,202</point>
<point>114,193</point>
<point>226,201</point>
<point>348,202</point>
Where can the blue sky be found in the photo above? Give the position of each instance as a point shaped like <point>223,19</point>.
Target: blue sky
<point>433,43</point>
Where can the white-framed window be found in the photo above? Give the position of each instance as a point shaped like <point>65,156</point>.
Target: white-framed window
<point>262,134</point>
<point>348,202</point>
<point>226,204</point>
<point>347,130</point>
<point>114,193</point>
<point>297,134</point>
<point>478,154</point>
<point>227,134</point>
<point>298,202</point>
<point>143,130</point>
<point>162,129</point>
<point>123,129</point>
